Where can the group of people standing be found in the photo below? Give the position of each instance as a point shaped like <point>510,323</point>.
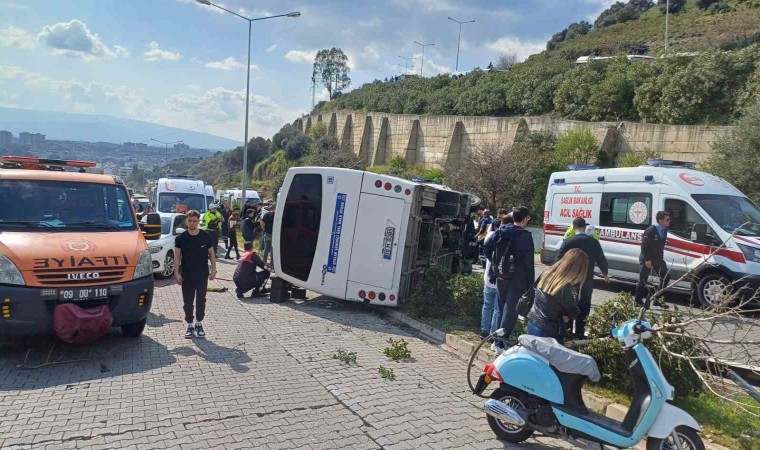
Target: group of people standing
<point>562,294</point>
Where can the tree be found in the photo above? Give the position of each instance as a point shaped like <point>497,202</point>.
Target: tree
<point>483,171</point>
<point>675,6</point>
<point>331,66</point>
<point>297,146</point>
<point>505,61</point>
<point>577,147</point>
<point>738,152</point>
<point>577,29</point>
<point>621,12</point>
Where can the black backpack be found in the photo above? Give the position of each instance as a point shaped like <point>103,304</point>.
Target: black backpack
<point>503,262</point>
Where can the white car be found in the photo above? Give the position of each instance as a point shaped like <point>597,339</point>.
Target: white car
<point>162,249</point>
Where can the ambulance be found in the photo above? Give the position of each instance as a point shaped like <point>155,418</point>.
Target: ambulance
<point>705,212</point>
<point>68,236</point>
<point>179,194</point>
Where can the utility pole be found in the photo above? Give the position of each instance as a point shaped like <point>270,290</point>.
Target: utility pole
<point>422,63</point>
<point>667,15</point>
<point>406,63</point>
<point>456,69</point>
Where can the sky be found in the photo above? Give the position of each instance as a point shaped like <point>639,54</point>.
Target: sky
<point>182,64</point>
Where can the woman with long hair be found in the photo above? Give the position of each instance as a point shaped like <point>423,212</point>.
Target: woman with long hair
<point>556,301</point>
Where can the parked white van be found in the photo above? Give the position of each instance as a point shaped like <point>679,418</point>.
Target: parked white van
<point>705,210</point>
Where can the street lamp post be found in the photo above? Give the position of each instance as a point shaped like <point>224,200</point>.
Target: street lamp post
<point>166,149</point>
<point>406,63</point>
<point>667,14</point>
<point>459,38</point>
<point>248,79</point>
<point>422,63</point>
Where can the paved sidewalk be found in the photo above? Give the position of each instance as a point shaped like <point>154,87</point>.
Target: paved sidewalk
<point>264,378</point>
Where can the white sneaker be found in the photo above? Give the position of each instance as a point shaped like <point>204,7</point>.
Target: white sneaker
<point>199,330</point>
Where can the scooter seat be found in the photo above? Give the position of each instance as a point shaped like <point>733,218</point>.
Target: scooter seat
<point>562,358</point>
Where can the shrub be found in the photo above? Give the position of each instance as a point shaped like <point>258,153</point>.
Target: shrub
<point>577,146</point>
<point>675,6</point>
<point>611,359</point>
<point>621,12</point>
<point>467,293</point>
<point>398,350</point>
<point>637,158</point>
<point>432,298</point>
<point>736,153</point>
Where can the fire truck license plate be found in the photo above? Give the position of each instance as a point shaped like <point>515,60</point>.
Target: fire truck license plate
<point>82,293</point>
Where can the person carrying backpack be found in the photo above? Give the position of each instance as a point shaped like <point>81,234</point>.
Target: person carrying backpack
<point>513,264</point>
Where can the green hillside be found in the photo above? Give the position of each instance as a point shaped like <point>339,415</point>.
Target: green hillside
<point>711,72</point>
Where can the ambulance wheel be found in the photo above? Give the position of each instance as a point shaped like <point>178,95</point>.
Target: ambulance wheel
<point>134,329</point>
<point>711,289</point>
<point>503,431</point>
<point>688,438</point>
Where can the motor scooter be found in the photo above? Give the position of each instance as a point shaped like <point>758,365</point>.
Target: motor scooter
<point>540,390</point>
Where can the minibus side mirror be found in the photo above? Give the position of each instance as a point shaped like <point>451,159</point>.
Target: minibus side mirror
<point>699,232</point>
<point>151,229</point>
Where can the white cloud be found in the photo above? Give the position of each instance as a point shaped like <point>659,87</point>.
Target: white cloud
<point>229,64</point>
<point>272,48</point>
<point>121,51</point>
<point>301,56</point>
<point>514,45</point>
<point>74,39</point>
<point>207,7</point>
<point>17,37</point>
<point>428,5</point>
<point>430,68</point>
<point>12,5</point>
<point>365,59</point>
<point>155,53</point>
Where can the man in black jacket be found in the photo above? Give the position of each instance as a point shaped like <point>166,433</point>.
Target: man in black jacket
<point>652,255</point>
<point>593,249</point>
<point>514,267</point>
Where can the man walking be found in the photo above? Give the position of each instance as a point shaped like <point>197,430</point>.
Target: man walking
<point>211,222</point>
<point>652,255</point>
<point>267,224</point>
<point>193,250</point>
<point>514,268</point>
<point>593,249</point>
<point>234,222</point>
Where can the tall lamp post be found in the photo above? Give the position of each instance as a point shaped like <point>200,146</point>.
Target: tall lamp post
<point>667,14</point>
<point>166,148</point>
<point>248,78</point>
<point>422,63</point>
<point>406,63</point>
<point>459,38</point>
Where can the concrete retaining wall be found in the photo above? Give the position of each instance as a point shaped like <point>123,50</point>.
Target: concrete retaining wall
<point>431,141</point>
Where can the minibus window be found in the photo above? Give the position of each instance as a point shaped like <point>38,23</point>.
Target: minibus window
<point>730,212</point>
<point>300,225</point>
<point>683,218</point>
<point>626,210</point>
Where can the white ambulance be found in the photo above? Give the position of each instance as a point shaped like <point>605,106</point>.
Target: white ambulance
<point>362,236</point>
<point>705,210</point>
<point>179,193</point>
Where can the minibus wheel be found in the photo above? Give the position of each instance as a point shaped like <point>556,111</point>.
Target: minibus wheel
<point>712,288</point>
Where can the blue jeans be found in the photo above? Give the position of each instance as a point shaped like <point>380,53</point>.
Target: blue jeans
<point>533,330</point>
<point>490,306</point>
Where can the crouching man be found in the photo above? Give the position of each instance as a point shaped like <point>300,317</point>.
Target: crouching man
<point>247,277</point>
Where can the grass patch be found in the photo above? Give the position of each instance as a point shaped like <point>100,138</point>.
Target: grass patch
<point>386,373</point>
<point>398,350</point>
<point>345,357</point>
<point>721,422</point>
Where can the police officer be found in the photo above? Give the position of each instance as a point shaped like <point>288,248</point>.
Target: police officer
<point>652,258</point>
<point>211,222</point>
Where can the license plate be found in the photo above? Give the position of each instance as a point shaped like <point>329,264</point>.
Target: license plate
<point>78,294</point>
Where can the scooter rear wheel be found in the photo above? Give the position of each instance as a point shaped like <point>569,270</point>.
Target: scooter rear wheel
<point>689,438</point>
<point>507,432</point>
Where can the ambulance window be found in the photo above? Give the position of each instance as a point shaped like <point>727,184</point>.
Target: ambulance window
<point>683,218</point>
<point>300,225</point>
<point>626,210</point>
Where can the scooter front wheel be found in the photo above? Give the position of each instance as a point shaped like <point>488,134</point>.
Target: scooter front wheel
<point>504,431</point>
<point>688,438</point>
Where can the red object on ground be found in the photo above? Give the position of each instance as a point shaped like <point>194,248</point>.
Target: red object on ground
<point>75,325</point>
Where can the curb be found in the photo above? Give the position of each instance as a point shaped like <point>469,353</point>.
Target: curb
<point>463,348</point>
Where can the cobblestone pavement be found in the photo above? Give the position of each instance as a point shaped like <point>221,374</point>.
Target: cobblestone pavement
<point>263,378</point>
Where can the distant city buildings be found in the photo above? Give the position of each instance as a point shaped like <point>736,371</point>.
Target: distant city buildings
<point>125,171</point>
<point>135,146</point>
<point>6,139</point>
<point>181,146</point>
<point>26,138</point>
